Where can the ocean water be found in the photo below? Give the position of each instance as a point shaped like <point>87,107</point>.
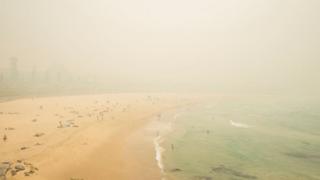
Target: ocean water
<point>242,138</point>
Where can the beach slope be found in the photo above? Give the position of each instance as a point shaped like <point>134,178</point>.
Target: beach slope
<point>80,137</point>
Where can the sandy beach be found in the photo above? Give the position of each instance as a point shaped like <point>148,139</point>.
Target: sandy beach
<point>82,137</point>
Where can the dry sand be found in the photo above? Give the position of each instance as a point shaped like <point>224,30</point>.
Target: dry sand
<point>90,137</point>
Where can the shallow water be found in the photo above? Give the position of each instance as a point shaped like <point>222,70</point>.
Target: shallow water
<point>238,138</point>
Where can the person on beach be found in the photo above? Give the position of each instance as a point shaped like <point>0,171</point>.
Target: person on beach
<point>5,138</point>
<point>60,125</point>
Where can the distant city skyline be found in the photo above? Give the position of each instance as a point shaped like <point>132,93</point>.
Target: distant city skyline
<point>250,45</point>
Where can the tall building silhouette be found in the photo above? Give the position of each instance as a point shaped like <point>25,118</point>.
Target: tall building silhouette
<point>14,68</point>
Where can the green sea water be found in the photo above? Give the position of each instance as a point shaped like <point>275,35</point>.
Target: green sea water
<point>279,139</point>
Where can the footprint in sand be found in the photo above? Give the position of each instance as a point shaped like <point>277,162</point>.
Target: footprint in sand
<point>9,129</point>
<point>24,148</point>
<point>38,134</point>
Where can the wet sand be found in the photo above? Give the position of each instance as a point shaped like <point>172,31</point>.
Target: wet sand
<point>82,137</point>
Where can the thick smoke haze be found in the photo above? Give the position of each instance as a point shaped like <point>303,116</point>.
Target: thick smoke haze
<point>262,46</point>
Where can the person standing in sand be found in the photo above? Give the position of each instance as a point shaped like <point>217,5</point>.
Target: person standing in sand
<point>5,138</point>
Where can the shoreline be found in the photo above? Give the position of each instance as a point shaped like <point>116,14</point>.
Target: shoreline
<point>162,133</point>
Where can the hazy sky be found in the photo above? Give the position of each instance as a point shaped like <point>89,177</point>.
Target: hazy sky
<point>233,44</point>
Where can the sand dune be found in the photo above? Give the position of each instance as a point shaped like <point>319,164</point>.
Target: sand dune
<point>80,137</point>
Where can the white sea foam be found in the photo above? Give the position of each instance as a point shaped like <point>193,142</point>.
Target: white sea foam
<point>239,125</point>
<point>159,150</point>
